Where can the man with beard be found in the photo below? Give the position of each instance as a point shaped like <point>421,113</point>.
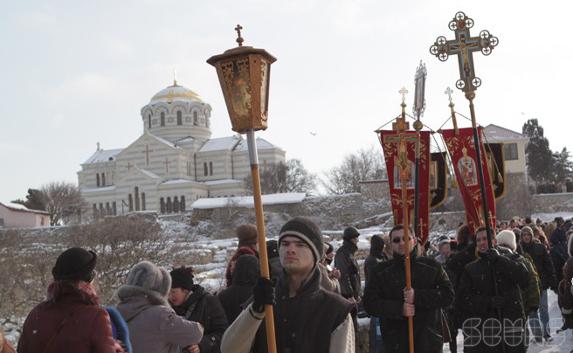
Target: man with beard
<point>492,319</point>
<point>192,302</point>
<point>308,319</point>
<point>539,319</point>
<point>386,297</point>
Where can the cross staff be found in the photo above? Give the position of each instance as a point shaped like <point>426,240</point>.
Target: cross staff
<point>463,46</point>
<point>419,106</point>
<point>449,92</point>
<point>404,165</point>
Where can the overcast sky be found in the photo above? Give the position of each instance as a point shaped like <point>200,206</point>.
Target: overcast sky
<point>73,73</point>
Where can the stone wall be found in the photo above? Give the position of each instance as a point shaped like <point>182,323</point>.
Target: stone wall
<point>548,203</point>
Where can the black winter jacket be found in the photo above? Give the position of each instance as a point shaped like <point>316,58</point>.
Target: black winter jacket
<point>475,300</point>
<point>543,263</point>
<point>235,297</point>
<point>206,309</point>
<point>350,284</point>
<point>384,298</point>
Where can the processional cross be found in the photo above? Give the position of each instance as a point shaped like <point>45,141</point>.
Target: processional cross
<point>240,39</point>
<point>463,46</point>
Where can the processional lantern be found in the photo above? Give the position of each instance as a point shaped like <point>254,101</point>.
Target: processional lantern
<point>244,75</point>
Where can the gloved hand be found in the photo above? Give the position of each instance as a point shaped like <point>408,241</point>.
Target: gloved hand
<point>491,255</point>
<point>263,293</point>
<point>498,302</point>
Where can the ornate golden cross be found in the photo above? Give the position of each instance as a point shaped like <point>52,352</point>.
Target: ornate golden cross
<point>449,92</point>
<point>403,91</point>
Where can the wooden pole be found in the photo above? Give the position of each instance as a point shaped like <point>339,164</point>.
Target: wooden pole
<point>262,240</point>
<point>404,178</point>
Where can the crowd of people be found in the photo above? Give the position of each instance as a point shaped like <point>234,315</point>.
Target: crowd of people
<point>492,288</point>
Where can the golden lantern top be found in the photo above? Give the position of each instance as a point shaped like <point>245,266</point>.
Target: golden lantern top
<point>244,75</point>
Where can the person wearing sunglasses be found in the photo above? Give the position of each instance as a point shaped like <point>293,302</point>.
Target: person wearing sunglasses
<point>386,297</point>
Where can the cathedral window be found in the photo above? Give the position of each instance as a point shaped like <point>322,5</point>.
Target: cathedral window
<point>207,122</point>
<point>136,192</point>
<point>97,180</point>
<point>149,121</point>
<point>210,168</point>
<point>102,179</point>
<point>195,119</point>
<point>101,211</point>
<point>169,206</point>
<point>182,207</point>
<point>114,208</point>
<point>162,205</point>
<point>205,170</point>
<point>107,209</point>
<point>143,201</point>
<point>130,203</point>
<point>94,206</point>
<point>162,117</point>
<point>179,118</point>
<point>175,204</point>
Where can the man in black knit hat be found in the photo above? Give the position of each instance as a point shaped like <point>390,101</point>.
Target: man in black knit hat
<point>307,318</point>
<point>194,303</point>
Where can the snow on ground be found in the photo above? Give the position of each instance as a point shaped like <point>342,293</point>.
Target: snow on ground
<point>549,217</point>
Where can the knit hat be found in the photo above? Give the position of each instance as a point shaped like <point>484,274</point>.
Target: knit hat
<point>75,264</point>
<point>182,277</point>
<point>149,277</point>
<point>247,234</point>
<point>507,239</point>
<point>307,231</point>
<point>527,229</point>
<point>349,233</point>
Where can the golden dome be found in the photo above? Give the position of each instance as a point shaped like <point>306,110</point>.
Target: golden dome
<point>175,93</point>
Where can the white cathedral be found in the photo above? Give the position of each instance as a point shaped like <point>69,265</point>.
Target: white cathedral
<point>173,163</point>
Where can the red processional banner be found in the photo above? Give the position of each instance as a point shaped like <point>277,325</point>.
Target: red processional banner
<point>464,160</point>
<point>390,140</point>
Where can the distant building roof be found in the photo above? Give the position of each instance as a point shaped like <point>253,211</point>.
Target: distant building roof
<point>495,133</point>
<point>103,156</point>
<point>21,208</point>
<point>262,144</point>
<point>221,144</point>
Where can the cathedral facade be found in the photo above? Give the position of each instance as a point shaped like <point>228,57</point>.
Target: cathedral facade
<point>173,163</point>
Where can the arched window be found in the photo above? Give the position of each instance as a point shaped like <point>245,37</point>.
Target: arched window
<point>175,204</point>
<point>169,207</point>
<point>130,203</point>
<point>107,209</point>
<point>143,201</point>
<point>195,119</point>
<point>179,118</point>
<point>205,170</point>
<point>136,192</point>
<point>102,179</point>
<point>210,168</point>
<point>101,211</point>
<point>162,205</point>
<point>149,121</point>
<point>162,118</point>
<point>182,207</point>
<point>96,216</point>
<point>207,121</point>
<point>114,208</point>
<point>97,179</point>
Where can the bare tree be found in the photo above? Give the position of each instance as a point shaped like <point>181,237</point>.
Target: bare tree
<point>291,176</point>
<point>365,164</point>
<point>63,201</point>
